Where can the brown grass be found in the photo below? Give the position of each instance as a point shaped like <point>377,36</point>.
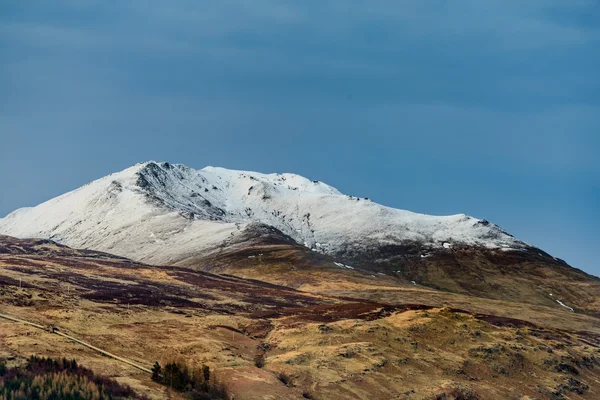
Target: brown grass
<point>363,338</point>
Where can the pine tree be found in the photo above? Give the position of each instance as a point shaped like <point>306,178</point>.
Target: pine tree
<point>206,373</point>
<point>157,372</point>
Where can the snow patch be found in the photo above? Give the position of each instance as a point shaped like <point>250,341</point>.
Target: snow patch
<point>564,305</point>
<point>342,265</point>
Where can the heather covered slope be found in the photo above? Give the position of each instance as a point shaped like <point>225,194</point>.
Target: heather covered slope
<point>528,276</point>
<point>266,341</point>
<point>45,247</point>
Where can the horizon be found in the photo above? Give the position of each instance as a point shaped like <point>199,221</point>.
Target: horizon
<point>491,110</point>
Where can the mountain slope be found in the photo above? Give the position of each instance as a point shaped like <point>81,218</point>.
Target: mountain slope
<point>168,214</point>
<point>266,341</point>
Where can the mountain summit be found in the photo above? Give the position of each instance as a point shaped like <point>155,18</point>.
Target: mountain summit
<point>157,211</point>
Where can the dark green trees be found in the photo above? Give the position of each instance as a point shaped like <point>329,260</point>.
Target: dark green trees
<point>195,384</point>
<point>157,373</point>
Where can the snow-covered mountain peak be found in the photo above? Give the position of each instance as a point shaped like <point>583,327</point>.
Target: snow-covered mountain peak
<point>285,181</point>
<point>161,174</point>
<point>171,210</point>
<point>215,193</point>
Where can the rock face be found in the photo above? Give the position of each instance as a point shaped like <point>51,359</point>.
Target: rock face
<point>170,214</point>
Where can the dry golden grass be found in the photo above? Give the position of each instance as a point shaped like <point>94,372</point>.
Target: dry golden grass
<point>314,342</point>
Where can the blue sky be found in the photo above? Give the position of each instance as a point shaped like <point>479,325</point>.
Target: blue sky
<point>491,108</point>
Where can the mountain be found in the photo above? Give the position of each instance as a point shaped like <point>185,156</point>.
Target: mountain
<point>220,202</point>
<point>169,214</point>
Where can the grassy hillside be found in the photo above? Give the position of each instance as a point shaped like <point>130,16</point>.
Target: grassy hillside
<point>335,335</point>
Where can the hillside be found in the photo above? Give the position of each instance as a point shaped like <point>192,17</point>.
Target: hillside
<point>266,340</point>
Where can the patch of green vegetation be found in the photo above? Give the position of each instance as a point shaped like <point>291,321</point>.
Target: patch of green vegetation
<point>45,378</point>
<point>196,384</point>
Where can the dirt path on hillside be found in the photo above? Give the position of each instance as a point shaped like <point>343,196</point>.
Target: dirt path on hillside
<point>74,339</point>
